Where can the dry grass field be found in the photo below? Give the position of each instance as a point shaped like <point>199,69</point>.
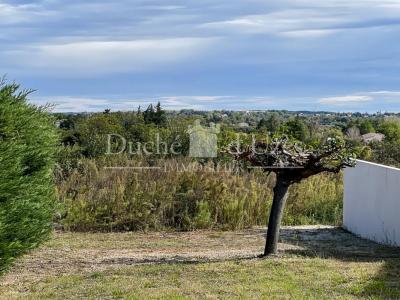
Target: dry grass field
<point>315,262</point>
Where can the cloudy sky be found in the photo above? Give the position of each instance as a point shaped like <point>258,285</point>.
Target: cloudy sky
<point>338,55</point>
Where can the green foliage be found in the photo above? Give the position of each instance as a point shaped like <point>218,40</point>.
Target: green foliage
<point>155,116</point>
<point>321,133</point>
<point>317,200</point>
<point>297,128</point>
<point>93,133</point>
<point>391,130</point>
<point>387,153</point>
<point>272,123</point>
<point>27,146</point>
<point>92,197</point>
<point>366,127</point>
<point>88,133</point>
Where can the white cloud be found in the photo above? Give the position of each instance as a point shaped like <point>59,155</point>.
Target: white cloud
<point>164,7</point>
<point>215,102</point>
<point>198,98</point>
<point>94,104</point>
<point>312,33</point>
<point>105,57</point>
<point>86,104</point>
<point>386,93</point>
<point>353,102</point>
<point>312,19</point>
<point>10,14</point>
<point>24,13</point>
<point>344,100</point>
<point>390,97</point>
<point>381,98</point>
<point>197,102</point>
<point>261,47</point>
<point>289,23</point>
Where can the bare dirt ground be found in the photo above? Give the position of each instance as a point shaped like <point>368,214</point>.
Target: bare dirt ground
<point>69,253</point>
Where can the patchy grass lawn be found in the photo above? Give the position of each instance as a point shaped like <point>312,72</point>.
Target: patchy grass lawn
<point>314,263</point>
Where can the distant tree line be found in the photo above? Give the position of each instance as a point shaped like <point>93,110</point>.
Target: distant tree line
<point>85,132</point>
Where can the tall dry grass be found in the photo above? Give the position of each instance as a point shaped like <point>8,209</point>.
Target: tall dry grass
<point>92,197</point>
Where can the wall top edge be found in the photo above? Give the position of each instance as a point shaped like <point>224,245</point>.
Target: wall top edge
<point>377,165</point>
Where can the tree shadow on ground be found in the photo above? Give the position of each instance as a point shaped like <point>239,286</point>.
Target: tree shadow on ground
<point>339,244</point>
<point>204,247</point>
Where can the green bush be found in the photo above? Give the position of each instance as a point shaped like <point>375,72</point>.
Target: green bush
<point>27,144</point>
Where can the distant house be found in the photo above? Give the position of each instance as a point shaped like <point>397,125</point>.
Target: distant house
<point>372,137</point>
<point>243,125</point>
<point>61,123</point>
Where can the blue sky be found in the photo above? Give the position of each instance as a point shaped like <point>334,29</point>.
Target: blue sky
<point>337,55</point>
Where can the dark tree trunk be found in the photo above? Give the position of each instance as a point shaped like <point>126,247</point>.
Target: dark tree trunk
<point>275,216</point>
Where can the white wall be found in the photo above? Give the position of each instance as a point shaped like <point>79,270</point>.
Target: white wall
<point>372,202</point>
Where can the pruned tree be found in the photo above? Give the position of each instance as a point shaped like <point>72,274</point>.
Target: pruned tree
<point>292,162</point>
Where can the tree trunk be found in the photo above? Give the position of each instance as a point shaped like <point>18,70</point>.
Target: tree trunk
<point>275,216</point>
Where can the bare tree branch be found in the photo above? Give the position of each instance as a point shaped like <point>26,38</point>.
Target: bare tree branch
<point>292,162</point>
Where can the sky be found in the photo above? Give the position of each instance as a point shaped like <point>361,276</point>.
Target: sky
<point>334,55</point>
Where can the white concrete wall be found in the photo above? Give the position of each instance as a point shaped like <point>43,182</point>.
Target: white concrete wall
<point>372,202</point>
